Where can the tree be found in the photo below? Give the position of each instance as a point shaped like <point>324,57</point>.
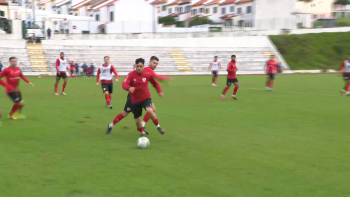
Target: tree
<point>342,2</point>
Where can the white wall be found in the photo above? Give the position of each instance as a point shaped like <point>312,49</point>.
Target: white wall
<point>91,26</point>
<point>134,17</point>
<point>214,17</point>
<point>17,44</point>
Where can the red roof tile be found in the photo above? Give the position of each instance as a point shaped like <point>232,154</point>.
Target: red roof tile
<point>213,2</point>
<point>157,2</point>
<point>228,2</point>
<point>244,1</point>
<point>175,2</point>
<point>200,3</point>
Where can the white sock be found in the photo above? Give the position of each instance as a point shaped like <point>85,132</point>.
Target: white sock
<point>343,90</point>
<point>111,125</point>
<point>143,123</point>
<point>158,126</point>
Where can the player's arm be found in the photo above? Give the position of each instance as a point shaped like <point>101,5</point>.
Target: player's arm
<point>230,68</point>
<point>57,64</point>
<point>2,83</point>
<point>210,65</point>
<point>2,74</point>
<point>98,77</point>
<point>161,77</point>
<point>219,65</point>
<point>156,85</point>
<point>266,67</point>
<point>115,72</point>
<point>126,85</point>
<point>25,79</point>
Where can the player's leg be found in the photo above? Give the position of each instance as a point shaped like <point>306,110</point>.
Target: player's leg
<point>18,103</point>
<point>348,86</point>
<point>236,83</point>
<point>147,117</point>
<point>121,116</point>
<point>228,85</point>
<point>58,78</point>
<point>137,111</point>
<point>272,79</point>
<point>110,91</point>
<point>346,89</point>
<point>147,105</point>
<point>64,76</point>
<point>215,78</point>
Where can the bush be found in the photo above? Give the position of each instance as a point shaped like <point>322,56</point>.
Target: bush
<point>313,51</point>
<point>167,20</point>
<point>200,21</point>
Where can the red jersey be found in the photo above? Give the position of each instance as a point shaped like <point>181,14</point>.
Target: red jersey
<point>150,70</point>
<point>231,70</point>
<point>2,83</point>
<point>12,77</point>
<point>272,66</point>
<point>140,82</point>
<point>72,66</point>
<point>107,76</point>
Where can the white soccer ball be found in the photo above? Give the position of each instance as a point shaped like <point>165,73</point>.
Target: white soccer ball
<point>143,142</point>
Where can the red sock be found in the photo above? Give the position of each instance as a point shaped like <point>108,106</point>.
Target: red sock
<point>235,90</point>
<point>156,122</point>
<point>56,88</point>
<point>213,79</point>
<point>268,84</point>
<point>108,99</point>
<point>225,90</point>
<point>271,84</point>
<point>141,130</point>
<point>64,86</point>
<point>146,118</point>
<point>347,87</point>
<point>118,118</point>
<point>14,109</point>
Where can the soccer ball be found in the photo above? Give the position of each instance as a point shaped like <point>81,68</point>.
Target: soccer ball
<point>143,142</point>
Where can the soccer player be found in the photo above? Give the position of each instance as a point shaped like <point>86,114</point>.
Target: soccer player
<point>345,69</point>
<point>137,84</point>
<point>231,78</point>
<point>127,108</point>
<point>12,74</point>
<point>72,68</point>
<point>62,69</point>
<point>215,66</point>
<point>2,83</point>
<point>105,73</point>
<point>271,67</point>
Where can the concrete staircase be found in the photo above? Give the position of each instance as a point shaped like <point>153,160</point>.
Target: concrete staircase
<point>180,61</point>
<point>37,58</point>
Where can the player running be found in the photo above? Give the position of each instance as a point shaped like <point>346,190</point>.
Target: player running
<point>137,84</point>
<point>271,67</point>
<point>345,69</point>
<point>105,74</point>
<point>62,69</point>
<point>215,66</point>
<point>231,78</point>
<point>2,83</point>
<point>12,74</point>
<point>127,108</point>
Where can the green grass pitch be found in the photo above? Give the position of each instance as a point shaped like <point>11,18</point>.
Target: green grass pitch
<point>287,143</point>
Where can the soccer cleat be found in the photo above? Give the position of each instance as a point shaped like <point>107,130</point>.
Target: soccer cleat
<point>143,134</point>
<point>12,117</point>
<point>109,130</point>
<point>161,131</point>
<point>64,94</point>
<point>233,97</point>
<point>214,84</point>
<point>222,97</point>
<point>110,107</point>
<point>56,94</point>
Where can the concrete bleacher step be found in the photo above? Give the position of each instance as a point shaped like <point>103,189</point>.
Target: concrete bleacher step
<point>37,57</point>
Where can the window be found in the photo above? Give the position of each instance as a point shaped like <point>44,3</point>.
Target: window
<point>71,13</point>
<point>215,10</point>
<point>180,9</point>
<point>249,9</point>
<point>43,8</point>
<point>322,16</point>
<point>164,8</point>
<point>58,12</point>
<point>111,16</point>
<point>76,14</point>
<point>239,11</point>
<point>97,17</point>
<point>207,11</point>
<point>91,15</point>
<point>201,10</point>
<point>176,9</point>
<point>314,16</point>
<point>223,10</point>
<point>232,9</point>
<point>194,12</point>
<point>2,13</point>
<point>170,11</point>
<point>188,8</point>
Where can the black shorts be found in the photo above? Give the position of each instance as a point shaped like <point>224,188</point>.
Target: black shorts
<point>107,87</point>
<point>231,81</point>
<point>137,107</point>
<point>128,105</point>
<point>62,75</point>
<point>271,76</point>
<point>346,76</point>
<point>215,73</point>
<point>15,97</point>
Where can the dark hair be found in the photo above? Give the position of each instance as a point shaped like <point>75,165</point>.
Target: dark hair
<point>215,56</point>
<point>233,56</point>
<point>61,53</point>
<point>154,58</point>
<point>11,58</point>
<point>105,57</point>
<point>140,60</point>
